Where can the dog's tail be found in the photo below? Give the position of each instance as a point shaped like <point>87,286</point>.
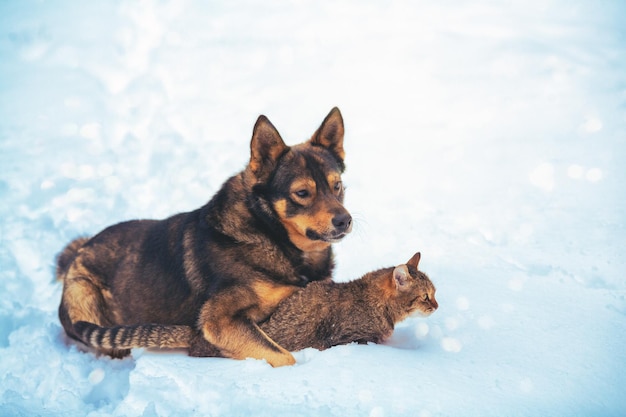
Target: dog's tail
<point>66,257</point>
<point>135,336</point>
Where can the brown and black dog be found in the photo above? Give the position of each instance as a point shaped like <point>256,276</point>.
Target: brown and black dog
<point>220,269</point>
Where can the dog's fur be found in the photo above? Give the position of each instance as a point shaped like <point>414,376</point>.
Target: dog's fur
<point>221,269</point>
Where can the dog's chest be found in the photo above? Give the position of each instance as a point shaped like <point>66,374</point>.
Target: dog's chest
<point>315,266</point>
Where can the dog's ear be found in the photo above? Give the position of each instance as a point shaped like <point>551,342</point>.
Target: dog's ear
<point>266,147</point>
<point>415,260</point>
<point>330,134</point>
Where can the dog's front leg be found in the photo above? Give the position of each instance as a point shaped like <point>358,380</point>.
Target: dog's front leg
<point>227,324</point>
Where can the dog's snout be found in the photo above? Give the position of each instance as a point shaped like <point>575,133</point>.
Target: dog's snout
<point>342,221</point>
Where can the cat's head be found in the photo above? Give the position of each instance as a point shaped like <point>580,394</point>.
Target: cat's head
<point>412,289</point>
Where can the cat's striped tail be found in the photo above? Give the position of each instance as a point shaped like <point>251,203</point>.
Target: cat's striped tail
<point>134,336</point>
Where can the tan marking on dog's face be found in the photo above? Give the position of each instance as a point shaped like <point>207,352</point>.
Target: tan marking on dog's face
<point>297,226</point>
<point>335,184</point>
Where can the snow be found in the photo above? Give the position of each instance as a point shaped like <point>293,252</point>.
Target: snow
<point>490,136</point>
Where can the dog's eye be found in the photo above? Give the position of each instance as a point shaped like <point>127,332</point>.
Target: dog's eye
<point>302,193</point>
<point>338,186</point>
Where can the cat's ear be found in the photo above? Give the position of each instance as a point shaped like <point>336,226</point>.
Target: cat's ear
<point>415,260</point>
<point>400,276</point>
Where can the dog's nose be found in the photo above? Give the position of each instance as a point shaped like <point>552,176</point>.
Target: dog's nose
<point>342,222</point>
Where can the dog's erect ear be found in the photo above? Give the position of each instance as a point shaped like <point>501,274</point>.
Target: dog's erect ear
<point>330,134</point>
<point>415,260</point>
<point>266,147</point>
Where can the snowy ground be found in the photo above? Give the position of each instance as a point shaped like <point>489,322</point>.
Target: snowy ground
<point>488,135</point>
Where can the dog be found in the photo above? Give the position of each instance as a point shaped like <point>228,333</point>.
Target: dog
<point>220,269</point>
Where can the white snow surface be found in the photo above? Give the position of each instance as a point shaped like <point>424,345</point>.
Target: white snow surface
<point>490,136</point>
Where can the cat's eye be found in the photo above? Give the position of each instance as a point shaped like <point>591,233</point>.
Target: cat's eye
<point>426,297</point>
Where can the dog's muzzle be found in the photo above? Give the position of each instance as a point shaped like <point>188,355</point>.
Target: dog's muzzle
<point>342,225</point>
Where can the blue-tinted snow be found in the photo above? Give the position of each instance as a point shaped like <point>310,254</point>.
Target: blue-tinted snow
<point>488,135</point>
